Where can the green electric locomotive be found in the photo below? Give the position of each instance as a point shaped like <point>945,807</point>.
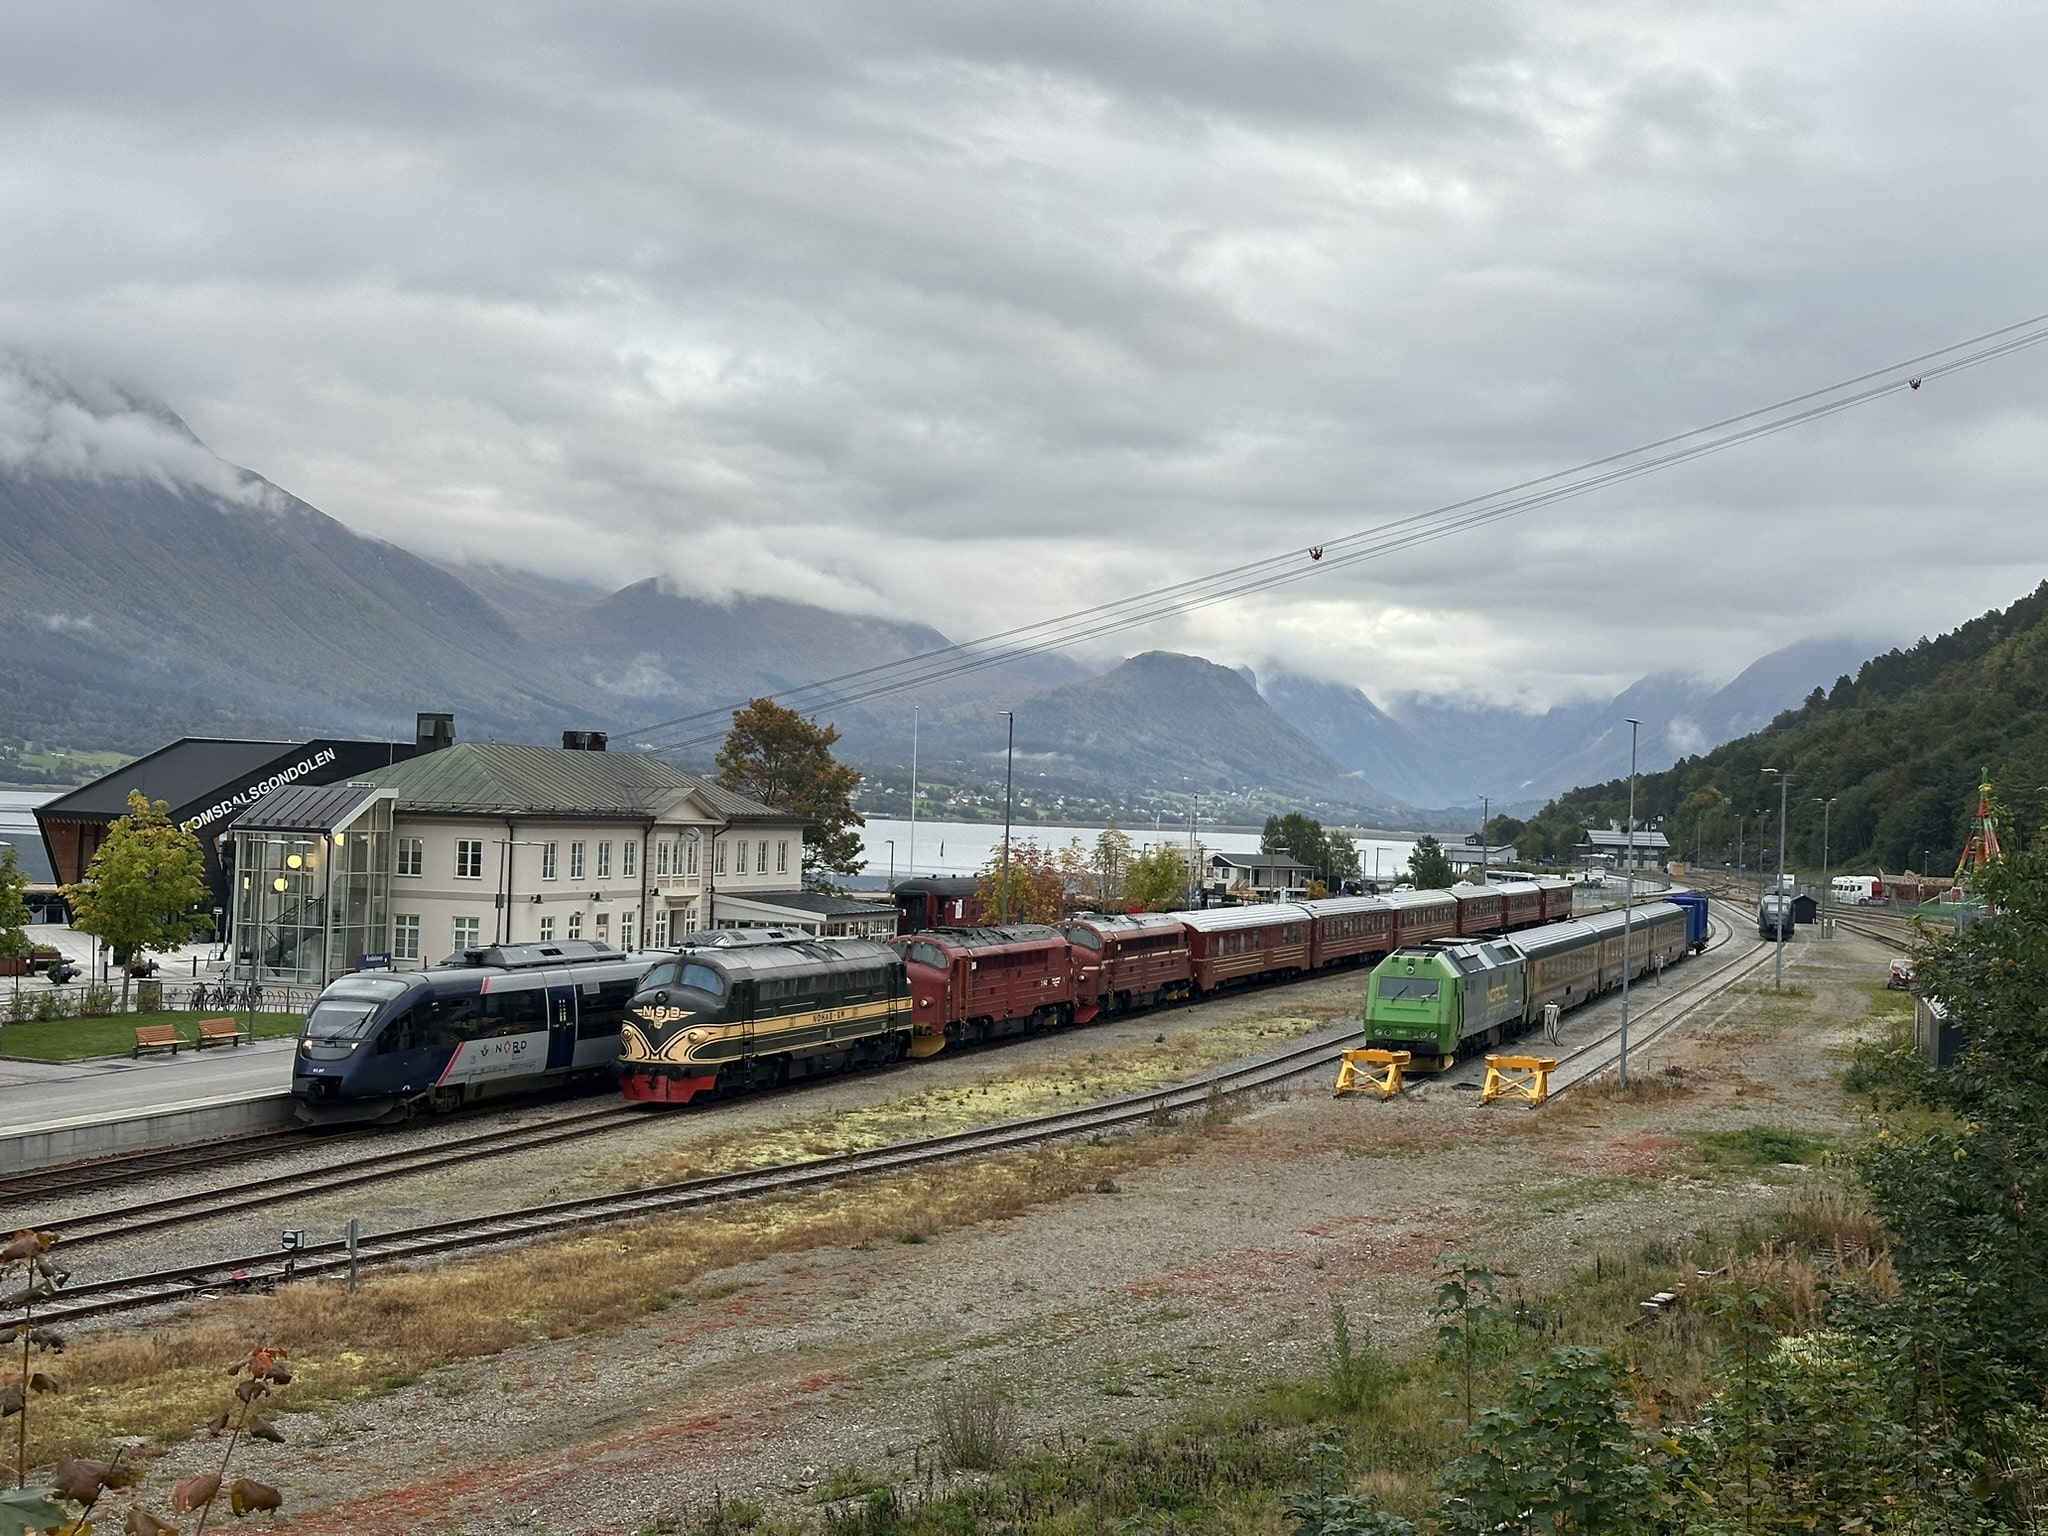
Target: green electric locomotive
<point>1437,1000</point>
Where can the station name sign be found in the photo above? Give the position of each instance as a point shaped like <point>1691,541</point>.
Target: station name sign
<point>243,798</point>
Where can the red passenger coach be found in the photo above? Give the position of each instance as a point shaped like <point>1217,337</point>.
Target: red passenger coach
<point>1480,909</point>
<point>1523,904</point>
<point>1557,898</point>
<point>1122,963</point>
<point>972,984</point>
<point>1351,928</point>
<point>1420,916</point>
<point>1240,943</point>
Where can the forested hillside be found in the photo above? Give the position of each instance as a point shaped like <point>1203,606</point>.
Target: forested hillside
<point>1898,748</point>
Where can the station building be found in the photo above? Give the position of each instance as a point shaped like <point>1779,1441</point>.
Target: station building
<point>1611,847</point>
<point>206,781</point>
<point>1269,875</point>
<point>482,843</point>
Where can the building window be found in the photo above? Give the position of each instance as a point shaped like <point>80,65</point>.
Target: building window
<point>412,858</point>
<point>604,861</point>
<point>718,859</point>
<point>466,929</point>
<point>661,865</point>
<point>693,856</point>
<point>629,860</point>
<point>782,857</point>
<point>469,858</point>
<point>660,939</point>
<point>547,930</point>
<point>547,860</point>
<point>576,861</point>
<point>575,925</point>
<point>761,857</point>
<point>405,935</point>
<point>604,927</point>
<point>625,930</point>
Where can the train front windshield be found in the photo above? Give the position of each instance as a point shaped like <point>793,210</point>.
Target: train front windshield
<point>344,1014</point>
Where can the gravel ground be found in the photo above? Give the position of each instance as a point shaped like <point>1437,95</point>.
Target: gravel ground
<point>1209,1270</point>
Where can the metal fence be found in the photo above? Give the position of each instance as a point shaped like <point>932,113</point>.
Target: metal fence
<point>34,999</point>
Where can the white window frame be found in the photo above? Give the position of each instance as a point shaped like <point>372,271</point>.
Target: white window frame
<point>604,859</point>
<point>761,857</point>
<point>576,859</point>
<point>659,939</point>
<point>691,857</point>
<point>629,859</point>
<point>547,930</point>
<point>601,929</point>
<point>626,926</point>
<point>663,863</point>
<point>718,859</point>
<point>470,851</point>
<point>458,927</point>
<point>782,857</point>
<point>575,925</point>
<point>411,859</point>
<point>405,936</point>
<point>550,859</point>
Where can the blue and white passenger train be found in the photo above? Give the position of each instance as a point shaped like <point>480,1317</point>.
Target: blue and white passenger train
<point>506,1019</point>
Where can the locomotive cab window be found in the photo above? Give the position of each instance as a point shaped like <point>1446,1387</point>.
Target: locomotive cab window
<point>928,954</point>
<point>702,978</point>
<point>660,976</point>
<point>1407,988</point>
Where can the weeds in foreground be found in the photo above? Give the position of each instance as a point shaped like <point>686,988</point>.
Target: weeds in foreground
<point>975,1425</point>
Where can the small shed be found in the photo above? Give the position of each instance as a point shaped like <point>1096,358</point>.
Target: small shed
<point>1805,909</point>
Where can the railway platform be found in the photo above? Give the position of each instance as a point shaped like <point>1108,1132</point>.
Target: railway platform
<point>60,1112</point>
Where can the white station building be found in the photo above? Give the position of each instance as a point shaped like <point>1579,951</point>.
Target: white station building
<point>480,844</point>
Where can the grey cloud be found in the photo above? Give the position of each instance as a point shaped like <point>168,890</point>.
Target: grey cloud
<point>887,305</point>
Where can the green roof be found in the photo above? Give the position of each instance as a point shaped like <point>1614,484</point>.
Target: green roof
<point>486,778</point>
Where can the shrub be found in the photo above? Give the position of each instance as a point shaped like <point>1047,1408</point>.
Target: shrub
<point>977,1426</point>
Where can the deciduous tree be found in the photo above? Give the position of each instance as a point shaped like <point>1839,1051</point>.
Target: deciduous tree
<point>777,756</point>
<point>14,913</point>
<point>1037,887</point>
<point>1328,856</point>
<point>1428,866</point>
<point>145,888</point>
<point>1158,881</point>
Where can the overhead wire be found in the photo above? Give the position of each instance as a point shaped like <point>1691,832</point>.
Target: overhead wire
<point>939,664</point>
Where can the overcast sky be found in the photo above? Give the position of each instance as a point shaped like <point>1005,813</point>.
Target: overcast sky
<point>980,313</point>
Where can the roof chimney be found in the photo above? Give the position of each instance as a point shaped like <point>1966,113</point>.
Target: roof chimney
<point>584,741</point>
<point>434,732</point>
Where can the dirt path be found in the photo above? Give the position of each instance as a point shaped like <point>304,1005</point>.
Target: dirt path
<point>1205,1269</point>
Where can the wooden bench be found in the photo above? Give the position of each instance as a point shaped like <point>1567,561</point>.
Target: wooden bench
<point>156,1037</point>
<point>219,1032</point>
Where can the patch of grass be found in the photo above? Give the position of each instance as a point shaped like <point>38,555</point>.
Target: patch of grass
<point>1758,1146</point>
<point>974,1425</point>
<point>82,1039</point>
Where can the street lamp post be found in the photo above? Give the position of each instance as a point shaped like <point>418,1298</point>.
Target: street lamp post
<point>913,790</point>
<point>892,861</point>
<point>1485,805</point>
<point>1194,874</point>
<point>1009,757</point>
<point>1827,807</point>
<point>1784,911</point>
<point>1628,900</point>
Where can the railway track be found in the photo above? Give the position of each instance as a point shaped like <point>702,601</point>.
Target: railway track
<point>135,1218</point>
<point>63,1180</point>
<point>100,1298</point>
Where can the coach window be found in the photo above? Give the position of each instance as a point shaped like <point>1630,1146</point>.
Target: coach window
<point>547,860</point>
<point>600,1013</point>
<point>515,1013</point>
<point>469,858</point>
<point>412,856</point>
<point>604,861</point>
